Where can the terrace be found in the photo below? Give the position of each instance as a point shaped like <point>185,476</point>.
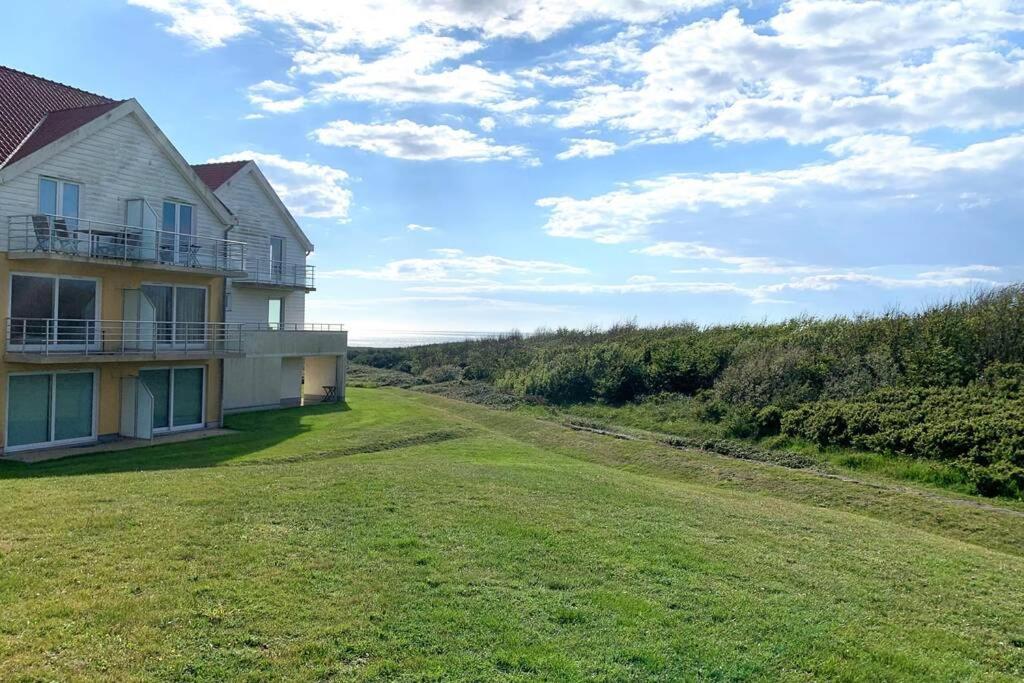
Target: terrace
<point>50,236</point>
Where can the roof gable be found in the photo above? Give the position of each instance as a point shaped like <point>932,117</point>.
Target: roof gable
<point>218,173</point>
<point>27,102</point>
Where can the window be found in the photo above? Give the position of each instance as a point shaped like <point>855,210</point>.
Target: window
<point>177,397</point>
<point>276,257</point>
<point>142,243</point>
<point>176,243</point>
<point>48,408</point>
<point>53,310</point>
<point>60,198</point>
<point>275,309</point>
<point>179,312</point>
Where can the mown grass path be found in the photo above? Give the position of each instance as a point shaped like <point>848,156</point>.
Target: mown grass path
<point>412,537</point>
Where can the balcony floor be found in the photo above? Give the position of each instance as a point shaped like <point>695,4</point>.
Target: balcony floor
<point>120,263</point>
<point>31,358</point>
<point>271,285</point>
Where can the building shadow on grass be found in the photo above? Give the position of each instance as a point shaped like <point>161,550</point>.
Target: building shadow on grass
<point>256,431</point>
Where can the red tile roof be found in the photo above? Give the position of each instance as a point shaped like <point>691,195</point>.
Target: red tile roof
<point>216,174</point>
<point>27,105</point>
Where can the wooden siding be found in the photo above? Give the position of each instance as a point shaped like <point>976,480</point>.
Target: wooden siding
<point>117,163</point>
<point>258,220</point>
<point>249,305</point>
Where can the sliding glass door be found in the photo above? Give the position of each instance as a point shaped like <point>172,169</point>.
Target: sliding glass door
<point>53,311</point>
<point>177,397</point>
<point>180,314</point>
<point>50,408</point>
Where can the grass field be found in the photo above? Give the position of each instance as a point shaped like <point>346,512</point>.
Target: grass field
<point>406,536</point>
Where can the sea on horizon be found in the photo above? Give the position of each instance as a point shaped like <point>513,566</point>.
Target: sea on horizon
<point>396,338</point>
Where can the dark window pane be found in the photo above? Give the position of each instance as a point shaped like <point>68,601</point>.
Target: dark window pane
<point>31,309</point>
<point>188,397</point>
<point>159,384</point>
<point>73,406</point>
<point>28,410</point>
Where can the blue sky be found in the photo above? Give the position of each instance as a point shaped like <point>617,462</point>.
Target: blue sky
<point>513,164</point>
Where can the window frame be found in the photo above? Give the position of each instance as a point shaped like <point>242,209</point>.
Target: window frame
<point>51,428</point>
<point>174,310</point>
<point>177,203</point>
<point>61,182</point>
<point>57,277</point>
<point>171,427</point>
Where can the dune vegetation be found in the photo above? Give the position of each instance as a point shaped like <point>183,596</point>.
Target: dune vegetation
<point>942,386</point>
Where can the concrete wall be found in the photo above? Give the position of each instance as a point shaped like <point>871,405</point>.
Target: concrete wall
<point>291,381</point>
<point>252,383</point>
<point>295,343</point>
<point>274,364</point>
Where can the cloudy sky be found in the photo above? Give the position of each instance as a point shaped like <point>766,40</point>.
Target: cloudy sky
<point>489,164</point>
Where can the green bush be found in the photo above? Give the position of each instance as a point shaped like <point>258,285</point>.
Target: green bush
<point>979,427</point>
<point>442,373</point>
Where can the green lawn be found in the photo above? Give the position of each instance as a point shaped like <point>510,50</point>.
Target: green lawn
<point>407,536</point>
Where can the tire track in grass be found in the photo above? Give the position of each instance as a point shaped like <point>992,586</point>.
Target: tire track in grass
<point>432,437</point>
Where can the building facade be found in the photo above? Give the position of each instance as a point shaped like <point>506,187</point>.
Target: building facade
<point>121,269</point>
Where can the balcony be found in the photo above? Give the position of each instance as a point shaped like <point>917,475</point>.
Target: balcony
<point>278,275</point>
<point>62,340</point>
<point>290,339</point>
<point>45,236</point>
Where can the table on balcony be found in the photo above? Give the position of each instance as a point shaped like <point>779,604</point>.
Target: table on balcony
<point>111,242</point>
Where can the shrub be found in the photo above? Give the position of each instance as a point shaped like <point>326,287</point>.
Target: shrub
<point>768,421</point>
<point>442,373</point>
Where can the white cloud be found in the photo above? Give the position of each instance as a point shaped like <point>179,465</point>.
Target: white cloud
<point>487,124</point>
<point>758,294</point>
<point>410,41</point>
<point>865,163</point>
<point>374,23</point>
<point>406,139</point>
<point>588,148</point>
<point>454,266</point>
<point>697,251</point>
<point>416,227</point>
<point>815,71</point>
<point>307,189</point>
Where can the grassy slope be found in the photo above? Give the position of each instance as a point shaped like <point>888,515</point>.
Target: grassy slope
<point>416,537</point>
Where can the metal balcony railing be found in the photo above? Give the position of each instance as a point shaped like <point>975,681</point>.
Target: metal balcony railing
<point>284,273</point>
<point>62,336</point>
<point>292,327</point>
<point>69,236</point>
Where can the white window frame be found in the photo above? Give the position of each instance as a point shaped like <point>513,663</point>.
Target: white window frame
<point>97,317</point>
<point>280,322</point>
<point>278,264</point>
<point>61,182</point>
<point>174,310</point>
<point>170,400</point>
<point>177,216</point>
<point>53,410</point>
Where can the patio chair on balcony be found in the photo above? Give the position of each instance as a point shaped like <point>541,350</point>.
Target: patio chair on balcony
<point>53,235</point>
<point>67,241</point>
<point>41,227</point>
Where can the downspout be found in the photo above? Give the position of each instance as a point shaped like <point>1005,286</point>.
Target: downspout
<point>224,319</point>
